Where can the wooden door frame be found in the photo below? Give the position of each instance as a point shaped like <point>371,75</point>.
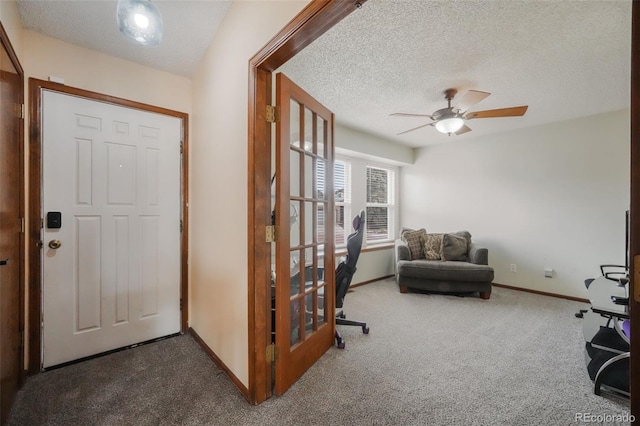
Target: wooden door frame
<point>313,21</point>
<point>36,87</point>
<point>634,283</point>
<point>8,47</point>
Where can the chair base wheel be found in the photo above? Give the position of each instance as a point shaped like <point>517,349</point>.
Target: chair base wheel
<point>365,330</point>
<point>341,345</point>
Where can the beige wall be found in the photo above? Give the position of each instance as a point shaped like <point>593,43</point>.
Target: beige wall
<point>219,276</point>
<point>87,69</point>
<point>12,24</point>
<point>547,196</point>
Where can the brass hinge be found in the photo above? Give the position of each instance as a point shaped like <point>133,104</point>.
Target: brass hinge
<point>22,225</point>
<point>19,108</point>
<point>272,234</point>
<point>272,353</point>
<point>273,114</point>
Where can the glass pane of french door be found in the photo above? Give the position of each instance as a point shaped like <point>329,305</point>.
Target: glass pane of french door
<point>305,277</point>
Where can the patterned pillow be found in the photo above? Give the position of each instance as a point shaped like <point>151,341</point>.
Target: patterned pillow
<point>433,246</point>
<point>455,246</point>
<point>414,240</point>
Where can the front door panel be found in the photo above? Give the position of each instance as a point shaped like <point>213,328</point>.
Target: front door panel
<point>111,203</point>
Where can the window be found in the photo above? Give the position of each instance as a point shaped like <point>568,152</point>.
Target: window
<point>380,204</point>
<point>342,198</point>
<point>359,185</point>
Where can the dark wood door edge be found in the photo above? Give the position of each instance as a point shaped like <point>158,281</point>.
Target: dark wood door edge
<point>35,192</point>
<point>13,57</point>
<point>634,284</point>
<point>313,21</point>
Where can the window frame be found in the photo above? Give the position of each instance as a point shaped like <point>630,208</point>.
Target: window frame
<point>390,205</point>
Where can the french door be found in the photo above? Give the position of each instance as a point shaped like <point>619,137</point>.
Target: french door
<point>305,277</point>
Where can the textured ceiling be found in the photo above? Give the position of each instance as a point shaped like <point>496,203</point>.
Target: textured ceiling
<point>565,59</point>
<point>189,27</point>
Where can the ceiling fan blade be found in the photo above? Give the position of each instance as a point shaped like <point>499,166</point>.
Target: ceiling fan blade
<point>402,114</point>
<point>415,128</point>
<point>471,98</point>
<point>464,129</point>
<point>502,112</point>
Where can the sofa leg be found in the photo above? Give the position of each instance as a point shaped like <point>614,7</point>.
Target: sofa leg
<point>485,295</point>
<point>404,289</point>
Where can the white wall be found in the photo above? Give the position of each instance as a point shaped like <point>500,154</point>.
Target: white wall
<point>219,276</point>
<point>548,196</point>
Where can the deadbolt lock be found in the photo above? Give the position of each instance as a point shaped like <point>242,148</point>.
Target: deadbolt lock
<point>55,244</point>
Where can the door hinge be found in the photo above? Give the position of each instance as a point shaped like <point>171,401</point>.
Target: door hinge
<point>181,225</point>
<point>272,234</point>
<point>273,114</point>
<point>180,304</point>
<point>22,225</point>
<point>19,111</point>
<point>272,353</point>
<point>181,147</point>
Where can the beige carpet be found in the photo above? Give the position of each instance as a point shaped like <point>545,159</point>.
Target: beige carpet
<point>516,359</point>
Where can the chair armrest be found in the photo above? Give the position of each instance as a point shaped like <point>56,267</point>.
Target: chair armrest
<point>402,251</point>
<point>478,255</point>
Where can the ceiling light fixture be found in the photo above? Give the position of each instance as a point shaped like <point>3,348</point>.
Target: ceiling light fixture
<point>140,20</point>
<point>450,124</point>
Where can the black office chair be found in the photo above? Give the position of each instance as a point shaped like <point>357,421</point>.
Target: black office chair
<point>344,274</point>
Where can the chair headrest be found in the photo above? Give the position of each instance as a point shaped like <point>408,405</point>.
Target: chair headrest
<point>356,222</point>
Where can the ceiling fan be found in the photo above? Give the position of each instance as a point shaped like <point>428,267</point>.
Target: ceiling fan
<point>451,120</point>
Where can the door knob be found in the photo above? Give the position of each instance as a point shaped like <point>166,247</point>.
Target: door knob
<point>55,244</point>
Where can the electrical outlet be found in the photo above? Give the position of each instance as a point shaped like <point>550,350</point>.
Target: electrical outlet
<point>548,273</point>
<point>514,268</point>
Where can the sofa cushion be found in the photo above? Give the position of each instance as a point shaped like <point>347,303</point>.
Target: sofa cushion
<point>433,246</point>
<point>414,241</point>
<point>445,270</point>
<point>454,247</point>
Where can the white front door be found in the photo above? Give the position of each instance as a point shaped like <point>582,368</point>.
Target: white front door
<point>111,202</point>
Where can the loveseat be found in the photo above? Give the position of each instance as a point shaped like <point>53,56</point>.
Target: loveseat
<point>448,263</point>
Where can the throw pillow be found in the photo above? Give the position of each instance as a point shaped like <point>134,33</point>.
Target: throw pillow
<point>455,247</point>
<point>414,240</point>
<point>433,246</point>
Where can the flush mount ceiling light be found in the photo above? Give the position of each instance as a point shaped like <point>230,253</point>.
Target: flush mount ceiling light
<point>140,20</point>
<point>450,124</point>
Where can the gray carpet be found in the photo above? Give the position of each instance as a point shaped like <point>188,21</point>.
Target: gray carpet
<point>517,359</point>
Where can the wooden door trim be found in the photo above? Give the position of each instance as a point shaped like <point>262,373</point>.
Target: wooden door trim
<point>313,21</point>
<point>35,204</point>
<point>13,57</point>
<point>634,283</point>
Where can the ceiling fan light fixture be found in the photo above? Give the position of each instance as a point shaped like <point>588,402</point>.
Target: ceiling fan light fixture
<point>449,125</point>
<point>141,21</point>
